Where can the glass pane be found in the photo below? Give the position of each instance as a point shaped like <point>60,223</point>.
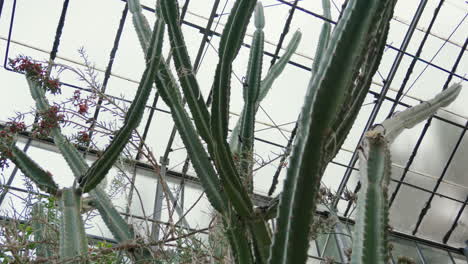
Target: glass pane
<point>331,248</point>
<point>434,255</point>
<point>404,248</point>
<point>459,259</point>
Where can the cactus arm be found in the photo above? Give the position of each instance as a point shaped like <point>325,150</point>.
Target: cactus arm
<point>232,184</point>
<point>185,72</point>
<point>73,158</point>
<point>73,242</point>
<point>267,83</point>
<point>231,41</point>
<point>101,167</point>
<point>414,115</point>
<point>279,66</point>
<point>370,236</point>
<point>197,153</point>
<point>370,239</point>
<point>325,93</point>
<point>167,87</point>
<point>41,231</point>
<point>218,148</point>
<point>169,92</point>
<point>235,233</point>
<point>251,91</point>
<point>141,24</point>
<point>350,108</point>
<point>324,37</point>
<point>30,168</point>
<point>78,165</point>
<point>120,229</point>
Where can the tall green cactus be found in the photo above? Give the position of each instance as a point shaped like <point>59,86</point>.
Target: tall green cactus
<point>341,75</point>
<point>42,230</point>
<point>266,84</point>
<point>73,242</point>
<point>251,92</point>
<point>370,238</point>
<point>336,74</point>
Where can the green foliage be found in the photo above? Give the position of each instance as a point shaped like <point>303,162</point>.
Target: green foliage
<point>342,72</point>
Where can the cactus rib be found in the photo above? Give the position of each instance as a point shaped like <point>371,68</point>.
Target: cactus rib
<point>231,41</point>
<point>185,72</point>
<point>267,83</point>
<point>31,169</point>
<point>251,92</point>
<point>73,242</point>
<point>370,240</point>
<point>141,23</point>
<point>325,94</point>
<point>101,167</point>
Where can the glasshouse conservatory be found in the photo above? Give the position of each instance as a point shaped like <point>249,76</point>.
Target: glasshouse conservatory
<point>233,131</point>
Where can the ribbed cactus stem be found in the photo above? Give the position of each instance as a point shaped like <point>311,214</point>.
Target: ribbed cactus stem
<point>326,93</point>
<point>141,24</point>
<point>42,232</point>
<point>31,169</point>
<point>251,92</point>
<point>73,242</point>
<point>414,115</point>
<point>69,152</point>
<point>370,233</point>
<point>185,71</point>
<point>79,167</point>
<point>266,84</point>
<point>230,43</point>
<point>324,36</point>
<point>216,139</point>
<point>101,167</point>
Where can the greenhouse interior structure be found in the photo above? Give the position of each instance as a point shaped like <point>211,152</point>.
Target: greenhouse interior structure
<point>89,56</point>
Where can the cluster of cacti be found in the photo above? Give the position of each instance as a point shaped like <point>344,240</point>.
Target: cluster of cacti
<point>342,72</point>
<point>73,242</point>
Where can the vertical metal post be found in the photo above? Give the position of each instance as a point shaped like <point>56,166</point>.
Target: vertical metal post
<point>421,256</point>
<point>340,249</point>
<point>158,199</point>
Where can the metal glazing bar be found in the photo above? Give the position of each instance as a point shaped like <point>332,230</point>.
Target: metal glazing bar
<point>108,71</point>
<point>420,254</point>
<point>284,33</point>
<point>436,187</point>
<point>387,82</point>
<point>455,222</point>
<point>158,200</point>
<point>428,203</point>
<point>53,54</point>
